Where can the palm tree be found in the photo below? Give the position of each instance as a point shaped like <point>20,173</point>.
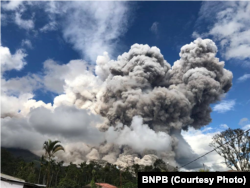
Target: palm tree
<point>53,166</point>
<point>44,169</point>
<point>51,147</point>
<point>58,168</point>
<point>42,160</point>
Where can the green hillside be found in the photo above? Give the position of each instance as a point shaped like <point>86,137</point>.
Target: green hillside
<point>26,155</point>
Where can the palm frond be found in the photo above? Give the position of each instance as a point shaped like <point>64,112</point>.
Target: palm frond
<point>58,148</point>
<point>52,145</point>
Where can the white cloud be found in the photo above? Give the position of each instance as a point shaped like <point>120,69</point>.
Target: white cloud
<point>243,121</point>
<point>199,142</point>
<point>51,26</point>
<point>196,35</point>
<point>154,27</point>
<point>224,126</point>
<point>139,137</point>
<point>95,27</point>
<point>230,26</point>
<point>3,20</point>
<point>68,122</point>
<point>103,64</point>
<point>75,83</point>
<point>24,24</point>
<point>71,76</point>
<point>246,127</point>
<point>17,96</point>
<point>17,93</point>
<point>91,27</point>
<point>54,76</point>
<point>11,5</point>
<point>65,123</point>
<point>21,114</point>
<point>27,43</point>
<point>243,78</point>
<point>224,106</point>
<point>17,86</point>
<point>9,61</point>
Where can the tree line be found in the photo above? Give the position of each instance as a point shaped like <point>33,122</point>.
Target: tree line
<point>54,174</point>
<point>232,145</point>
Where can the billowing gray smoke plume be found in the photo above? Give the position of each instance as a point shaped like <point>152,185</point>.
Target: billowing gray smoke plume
<point>144,103</point>
<point>141,84</point>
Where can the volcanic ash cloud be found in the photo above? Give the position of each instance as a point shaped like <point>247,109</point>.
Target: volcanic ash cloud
<point>142,83</point>
<point>144,103</point>
<point>168,99</point>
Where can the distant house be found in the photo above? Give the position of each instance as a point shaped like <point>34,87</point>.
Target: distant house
<point>104,185</point>
<point>13,182</point>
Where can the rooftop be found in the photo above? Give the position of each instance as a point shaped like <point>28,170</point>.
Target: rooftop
<point>105,185</point>
<point>8,178</point>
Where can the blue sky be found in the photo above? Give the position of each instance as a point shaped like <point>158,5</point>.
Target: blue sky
<point>39,32</point>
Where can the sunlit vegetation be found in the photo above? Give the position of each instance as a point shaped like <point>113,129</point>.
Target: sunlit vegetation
<point>57,174</point>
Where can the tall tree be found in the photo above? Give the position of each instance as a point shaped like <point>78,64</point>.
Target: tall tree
<point>42,160</point>
<point>58,168</point>
<point>234,146</point>
<point>51,147</point>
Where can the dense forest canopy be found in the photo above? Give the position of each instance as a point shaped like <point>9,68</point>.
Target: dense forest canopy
<point>74,175</point>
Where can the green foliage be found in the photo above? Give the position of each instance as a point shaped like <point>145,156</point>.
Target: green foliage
<point>26,171</point>
<point>8,163</point>
<point>92,183</point>
<point>51,147</point>
<point>67,183</point>
<point>23,154</point>
<point>236,152</point>
<point>160,166</point>
<point>129,185</point>
<point>203,170</point>
<point>55,175</point>
<point>32,178</point>
<point>17,167</point>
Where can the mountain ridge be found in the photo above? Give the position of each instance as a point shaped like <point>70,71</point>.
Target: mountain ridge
<point>24,154</point>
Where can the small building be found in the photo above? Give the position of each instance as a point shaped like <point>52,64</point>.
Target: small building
<point>104,185</point>
<point>13,182</point>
